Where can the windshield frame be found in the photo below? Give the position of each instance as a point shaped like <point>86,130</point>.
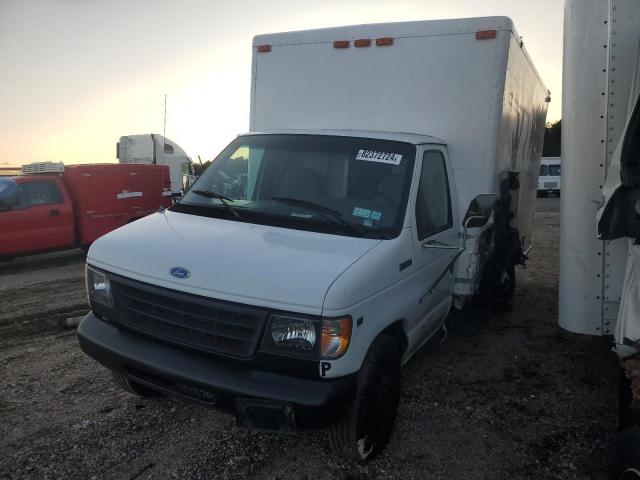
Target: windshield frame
<point>318,224</point>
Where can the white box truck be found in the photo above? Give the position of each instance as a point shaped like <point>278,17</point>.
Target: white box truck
<point>390,175</point>
<point>549,176</point>
<point>600,206</point>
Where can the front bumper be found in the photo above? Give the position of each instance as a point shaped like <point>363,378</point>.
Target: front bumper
<point>212,381</point>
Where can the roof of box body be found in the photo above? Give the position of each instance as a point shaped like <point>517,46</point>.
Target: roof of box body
<point>412,138</point>
<point>394,29</point>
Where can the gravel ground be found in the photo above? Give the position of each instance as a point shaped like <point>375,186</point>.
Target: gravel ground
<point>504,397</point>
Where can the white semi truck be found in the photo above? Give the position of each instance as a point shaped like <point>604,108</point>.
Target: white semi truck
<point>389,175</point>
<point>154,149</point>
<point>600,206</point>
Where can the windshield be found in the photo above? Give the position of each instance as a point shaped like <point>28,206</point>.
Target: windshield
<point>550,170</point>
<point>554,170</point>
<point>341,185</point>
<point>9,191</point>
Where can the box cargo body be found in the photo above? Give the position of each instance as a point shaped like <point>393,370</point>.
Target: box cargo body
<point>107,196</point>
<point>449,79</point>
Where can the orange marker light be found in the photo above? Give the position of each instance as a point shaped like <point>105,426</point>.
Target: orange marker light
<point>362,42</point>
<point>384,41</point>
<point>341,44</point>
<point>336,335</point>
<point>263,48</point>
<point>486,34</point>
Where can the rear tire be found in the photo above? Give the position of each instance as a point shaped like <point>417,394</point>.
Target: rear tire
<point>367,427</point>
<point>502,297</point>
<point>132,387</point>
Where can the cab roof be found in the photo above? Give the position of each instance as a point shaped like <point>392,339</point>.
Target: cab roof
<point>412,138</point>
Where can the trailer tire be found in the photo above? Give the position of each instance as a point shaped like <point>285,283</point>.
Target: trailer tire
<point>121,380</point>
<point>626,417</point>
<point>626,456</point>
<point>367,427</point>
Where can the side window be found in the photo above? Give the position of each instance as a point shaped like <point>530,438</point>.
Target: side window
<point>39,193</point>
<point>433,203</point>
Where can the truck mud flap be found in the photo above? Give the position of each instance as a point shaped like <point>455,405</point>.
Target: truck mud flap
<point>265,415</point>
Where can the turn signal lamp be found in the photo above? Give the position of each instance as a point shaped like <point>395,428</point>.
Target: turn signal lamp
<point>336,335</point>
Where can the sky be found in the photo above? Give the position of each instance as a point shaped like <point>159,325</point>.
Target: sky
<point>75,75</point>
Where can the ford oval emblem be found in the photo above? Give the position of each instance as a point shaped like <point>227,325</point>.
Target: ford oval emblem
<point>180,272</point>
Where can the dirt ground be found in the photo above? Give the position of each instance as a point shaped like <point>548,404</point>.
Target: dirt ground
<point>505,397</point>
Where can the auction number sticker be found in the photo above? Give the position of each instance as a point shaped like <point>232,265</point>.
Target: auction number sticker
<point>380,157</point>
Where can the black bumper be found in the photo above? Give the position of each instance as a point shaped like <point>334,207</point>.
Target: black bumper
<point>210,380</point>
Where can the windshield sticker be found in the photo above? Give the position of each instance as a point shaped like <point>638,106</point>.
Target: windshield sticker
<point>301,215</point>
<point>380,157</point>
<point>367,222</point>
<point>376,215</point>
<point>361,212</point>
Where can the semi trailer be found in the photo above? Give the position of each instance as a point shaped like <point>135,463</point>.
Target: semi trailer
<point>600,206</point>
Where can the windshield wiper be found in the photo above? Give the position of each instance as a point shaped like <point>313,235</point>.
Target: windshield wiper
<point>327,212</point>
<point>222,198</point>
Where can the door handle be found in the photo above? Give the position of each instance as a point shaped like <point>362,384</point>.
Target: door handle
<point>54,213</point>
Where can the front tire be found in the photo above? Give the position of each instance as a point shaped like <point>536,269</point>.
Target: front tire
<point>367,427</point>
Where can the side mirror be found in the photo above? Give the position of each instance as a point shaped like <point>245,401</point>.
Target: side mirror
<point>480,210</point>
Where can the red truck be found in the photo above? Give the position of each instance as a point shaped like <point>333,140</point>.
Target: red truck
<point>55,207</point>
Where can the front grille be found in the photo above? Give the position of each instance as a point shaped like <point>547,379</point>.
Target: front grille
<point>188,320</point>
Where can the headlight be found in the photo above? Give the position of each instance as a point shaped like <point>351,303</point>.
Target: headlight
<point>294,333</point>
<point>98,287</point>
<point>308,336</point>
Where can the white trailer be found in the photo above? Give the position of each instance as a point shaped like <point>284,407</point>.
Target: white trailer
<point>600,206</point>
<point>389,176</point>
<point>155,149</point>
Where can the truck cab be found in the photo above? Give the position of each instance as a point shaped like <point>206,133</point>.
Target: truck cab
<point>319,244</point>
<point>154,149</point>
<point>36,214</point>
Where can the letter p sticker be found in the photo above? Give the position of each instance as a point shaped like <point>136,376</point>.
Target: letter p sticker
<point>324,368</point>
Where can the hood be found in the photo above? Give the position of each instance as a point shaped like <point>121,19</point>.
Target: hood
<point>260,265</point>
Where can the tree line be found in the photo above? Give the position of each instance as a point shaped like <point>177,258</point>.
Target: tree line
<point>551,147</point>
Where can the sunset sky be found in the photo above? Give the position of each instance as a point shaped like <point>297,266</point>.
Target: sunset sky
<point>75,75</point>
